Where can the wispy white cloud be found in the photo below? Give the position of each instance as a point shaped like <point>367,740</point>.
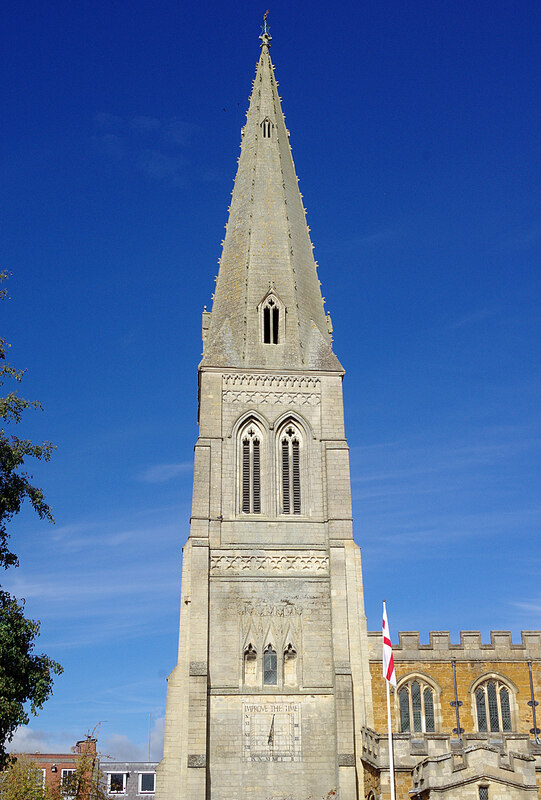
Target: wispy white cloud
<point>473,318</point>
<point>31,740</point>
<point>122,748</point>
<point>159,473</point>
<point>530,607</point>
<point>155,147</point>
<point>116,746</point>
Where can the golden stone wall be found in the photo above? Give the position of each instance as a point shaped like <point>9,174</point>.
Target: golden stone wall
<point>515,673</point>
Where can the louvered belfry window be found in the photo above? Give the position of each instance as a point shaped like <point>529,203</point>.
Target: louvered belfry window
<point>251,472</point>
<point>291,472</point>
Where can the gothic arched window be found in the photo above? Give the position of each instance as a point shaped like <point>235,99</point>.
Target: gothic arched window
<point>416,702</point>
<point>290,469</point>
<point>492,704</point>
<point>270,666</point>
<point>250,458</point>
<point>272,316</point>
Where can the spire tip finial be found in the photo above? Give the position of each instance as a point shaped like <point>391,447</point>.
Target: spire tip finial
<point>265,32</point>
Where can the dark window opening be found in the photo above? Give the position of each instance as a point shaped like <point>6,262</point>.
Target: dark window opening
<point>275,319</point>
<point>271,322</point>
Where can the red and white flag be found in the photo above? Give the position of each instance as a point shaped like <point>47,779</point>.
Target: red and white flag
<point>388,660</point>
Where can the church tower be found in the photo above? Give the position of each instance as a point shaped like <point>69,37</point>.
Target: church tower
<point>272,684</point>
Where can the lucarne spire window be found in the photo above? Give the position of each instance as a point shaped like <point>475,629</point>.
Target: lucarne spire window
<point>266,127</point>
<point>271,322</point>
<point>272,318</point>
<point>291,471</point>
<point>251,471</point>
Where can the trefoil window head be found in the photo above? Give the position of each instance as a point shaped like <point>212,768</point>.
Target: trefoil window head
<point>250,463</point>
<point>272,319</point>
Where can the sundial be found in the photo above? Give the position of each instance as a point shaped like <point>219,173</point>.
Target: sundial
<point>272,732</point>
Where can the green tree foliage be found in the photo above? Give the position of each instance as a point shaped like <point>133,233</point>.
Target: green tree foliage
<point>24,676</point>
<point>23,780</point>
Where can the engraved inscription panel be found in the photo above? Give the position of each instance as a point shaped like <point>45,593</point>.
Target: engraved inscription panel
<point>272,732</point>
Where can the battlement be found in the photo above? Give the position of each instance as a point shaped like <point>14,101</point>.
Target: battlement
<point>440,647</point>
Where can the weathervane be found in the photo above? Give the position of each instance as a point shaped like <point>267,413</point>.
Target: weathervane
<point>265,32</point>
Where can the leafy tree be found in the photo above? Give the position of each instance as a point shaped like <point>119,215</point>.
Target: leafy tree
<point>88,781</point>
<point>23,780</point>
<point>24,676</point>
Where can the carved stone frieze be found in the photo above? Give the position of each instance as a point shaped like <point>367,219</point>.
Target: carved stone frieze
<point>305,562</point>
<point>300,383</point>
<point>271,398</point>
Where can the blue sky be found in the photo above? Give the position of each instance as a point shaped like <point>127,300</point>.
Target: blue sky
<point>415,130</point>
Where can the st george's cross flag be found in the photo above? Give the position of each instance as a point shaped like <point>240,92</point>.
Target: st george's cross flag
<point>388,661</point>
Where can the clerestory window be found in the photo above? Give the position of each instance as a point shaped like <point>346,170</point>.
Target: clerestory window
<point>416,702</point>
<point>290,455</point>
<point>492,703</point>
<point>251,470</point>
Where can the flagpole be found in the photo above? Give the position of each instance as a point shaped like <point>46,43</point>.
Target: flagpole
<point>390,736</point>
<point>389,675</point>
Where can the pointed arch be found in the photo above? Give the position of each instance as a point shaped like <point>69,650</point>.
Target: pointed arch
<point>290,664</point>
<point>291,458</point>
<point>270,665</point>
<point>250,661</point>
<point>266,128</point>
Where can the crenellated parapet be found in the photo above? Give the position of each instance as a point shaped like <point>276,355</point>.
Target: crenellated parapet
<point>470,647</point>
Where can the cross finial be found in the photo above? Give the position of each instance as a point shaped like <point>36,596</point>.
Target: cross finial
<point>265,32</point>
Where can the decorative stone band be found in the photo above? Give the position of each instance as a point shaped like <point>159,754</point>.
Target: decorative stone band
<point>299,383</point>
<point>197,760</point>
<point>271,398</point>
<point>304,562</point>
<point>346,760</point>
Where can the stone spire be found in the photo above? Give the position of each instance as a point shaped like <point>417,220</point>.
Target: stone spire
<point>267,254</point>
